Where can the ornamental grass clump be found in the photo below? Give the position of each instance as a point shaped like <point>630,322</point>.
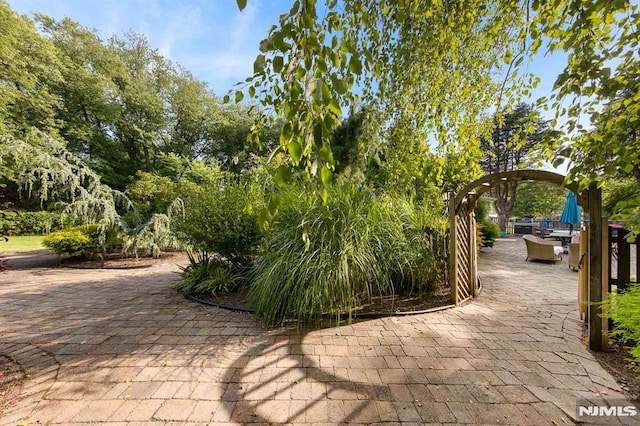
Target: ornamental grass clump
<point>322,259</point>
<point>207,275</point>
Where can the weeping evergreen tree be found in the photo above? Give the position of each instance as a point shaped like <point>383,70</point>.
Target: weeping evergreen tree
<point>46,171</point>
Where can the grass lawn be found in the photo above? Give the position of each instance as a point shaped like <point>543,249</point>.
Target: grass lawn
<point>22,243</point>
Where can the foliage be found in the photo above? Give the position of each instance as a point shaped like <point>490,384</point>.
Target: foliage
<point>539,200</point>
<point>424,67</point>
<point>481,210</point>
<point>427,251</point>
<point>617,192</point>
<point>29,69</point>
<point>206,275</point>
<point>51,172</point>
<point>428,66</point>
<point>324,259</point>
<point>624,310</point>
<point>16,222</point>
<point>151,193</point>
<point>152,237</point>
<point>600,81</point>
<point>515,137</point>
<point>83,240</point>
<point>48,171</point>
<point>219,218</point>
<point>489,231</point>
<point>118,104</point>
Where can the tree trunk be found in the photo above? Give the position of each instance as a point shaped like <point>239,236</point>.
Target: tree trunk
<point>505,196</point>
<point>502,222</point>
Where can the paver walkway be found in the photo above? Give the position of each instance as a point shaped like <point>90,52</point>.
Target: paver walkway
<point>120,347</point>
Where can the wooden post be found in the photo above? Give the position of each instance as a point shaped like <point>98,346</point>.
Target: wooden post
<point>624,261</point>
<point>583,275</point>
<point>595,268</point>
<point>473,247</point>
<point>453,269</point>
<point>606,273</point>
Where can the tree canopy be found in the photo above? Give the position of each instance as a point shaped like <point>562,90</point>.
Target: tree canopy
<point>513,143</point>
<point>117,104</point>
<point>433,69</point>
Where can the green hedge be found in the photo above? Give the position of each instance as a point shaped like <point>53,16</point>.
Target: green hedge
<point>31,223</point>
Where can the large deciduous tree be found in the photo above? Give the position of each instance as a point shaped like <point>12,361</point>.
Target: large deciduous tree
<point>539,199</point>
<point>514,138</point>
<point>28,69</point>
<point>432,65</point>
<point>118,105</point>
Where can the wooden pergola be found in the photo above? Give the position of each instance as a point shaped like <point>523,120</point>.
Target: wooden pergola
<point>463,257</point>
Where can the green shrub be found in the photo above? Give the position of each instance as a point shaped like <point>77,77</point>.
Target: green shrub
<point>481,210</point>
<point>206,275</point>
<point>624,310</point>
<point>151,194</point>
<point>221,220</point>
<point>489,231</point>
<point>325,259</point>
<point>81,240</point>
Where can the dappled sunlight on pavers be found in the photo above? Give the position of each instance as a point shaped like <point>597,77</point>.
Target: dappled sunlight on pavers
<point>120,346</point>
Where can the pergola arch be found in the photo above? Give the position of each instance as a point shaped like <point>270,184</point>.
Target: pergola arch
<point>463,253</point>
<point>483,184</point>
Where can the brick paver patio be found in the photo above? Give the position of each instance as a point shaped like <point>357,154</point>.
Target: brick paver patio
<point>119,347</point>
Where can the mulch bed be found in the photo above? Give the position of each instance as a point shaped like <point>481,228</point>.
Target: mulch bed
<point>115,261</point>
<point>379,305</point>
<point>616,363</point>
<point>11,379</point>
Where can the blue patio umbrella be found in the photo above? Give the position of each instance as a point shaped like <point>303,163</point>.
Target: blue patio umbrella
<point>571,212</point>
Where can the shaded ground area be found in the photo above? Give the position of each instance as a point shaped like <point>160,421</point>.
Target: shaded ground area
<point>119,346</point>
<point>31,259</point>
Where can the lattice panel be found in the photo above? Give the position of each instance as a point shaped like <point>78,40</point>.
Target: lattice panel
<point>464,254</point>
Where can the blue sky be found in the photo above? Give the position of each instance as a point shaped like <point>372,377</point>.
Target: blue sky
<point>211,38</point>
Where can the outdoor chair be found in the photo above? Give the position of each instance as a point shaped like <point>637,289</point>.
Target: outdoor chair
<point>540,249</point>
<point>574,255</point>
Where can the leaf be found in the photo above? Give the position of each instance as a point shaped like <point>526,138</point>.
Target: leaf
<point>326,93</point>
<point>295,150</point>
<point>263,220</point>
<point>241,4</point>
<point>274,202</point>
<point>334,107</point>
<point>239,96</point>
<point>258,64</point>
<point>339,85</point>
<point>325,176</point>
<point>325,153</point>
<point>355,66</point>
<point>282,176</point>
<point>317,134</point>
<point>278,63</point>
